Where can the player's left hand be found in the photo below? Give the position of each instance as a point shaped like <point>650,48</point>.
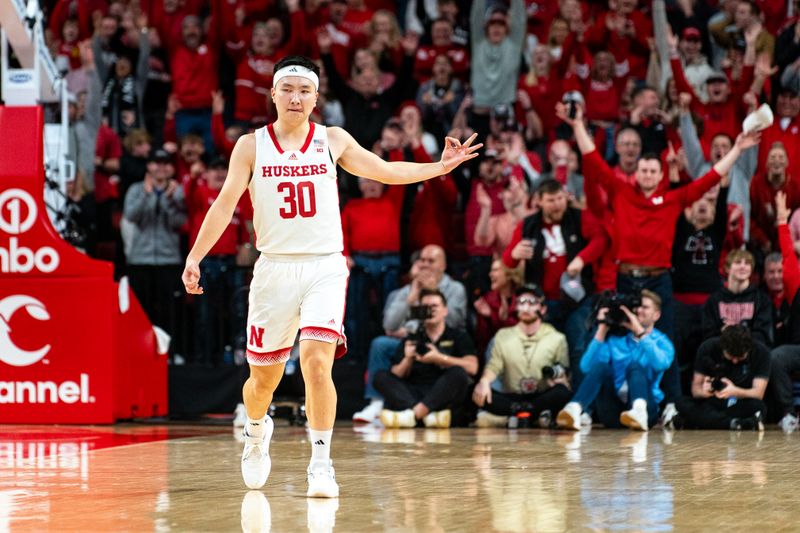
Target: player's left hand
<point>455,153</point>
<point>191,277</point>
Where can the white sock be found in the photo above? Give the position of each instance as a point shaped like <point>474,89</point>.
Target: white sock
<point>320,447</point>
<point>639,403</point>
<point>255,428</point>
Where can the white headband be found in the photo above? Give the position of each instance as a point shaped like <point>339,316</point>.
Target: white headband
<point>296,70</point>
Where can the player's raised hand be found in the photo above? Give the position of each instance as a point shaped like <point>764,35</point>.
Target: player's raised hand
<point>455,152</point>
<point>191,277</point>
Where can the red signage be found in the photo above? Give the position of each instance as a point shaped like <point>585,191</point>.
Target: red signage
<point>68,354</point>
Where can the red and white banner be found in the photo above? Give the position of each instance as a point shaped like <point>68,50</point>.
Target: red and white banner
<point>67,352</point>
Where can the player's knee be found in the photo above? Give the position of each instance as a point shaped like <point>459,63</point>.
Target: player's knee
<point>316,368</point>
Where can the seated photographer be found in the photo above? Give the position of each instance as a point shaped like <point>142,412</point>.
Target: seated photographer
<point>622,370</point>
<point>530,359</point>
<point>430,373</point>
<point>739,302</point>
<point>730,377</point>
<point>427,272</point>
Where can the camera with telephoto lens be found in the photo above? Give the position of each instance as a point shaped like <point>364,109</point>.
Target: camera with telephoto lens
<point>717,384</point>
<point>420,313</point>
<point>553,372</point>
<point>616,317</point>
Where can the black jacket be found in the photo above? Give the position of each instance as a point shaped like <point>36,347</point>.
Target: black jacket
<point>574,240</point>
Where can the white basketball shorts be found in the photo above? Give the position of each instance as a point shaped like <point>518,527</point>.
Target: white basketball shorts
<point>290,293</point>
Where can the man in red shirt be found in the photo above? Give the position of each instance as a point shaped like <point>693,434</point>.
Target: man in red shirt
<point>371,232</point>
<point>194,78</point>
<point>442,43</point>
<point>776,177</point>
<point>645,220</point>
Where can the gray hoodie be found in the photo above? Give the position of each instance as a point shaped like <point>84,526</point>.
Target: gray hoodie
<point>157,219</point>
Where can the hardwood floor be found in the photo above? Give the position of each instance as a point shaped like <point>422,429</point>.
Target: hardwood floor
<point>186,478</point>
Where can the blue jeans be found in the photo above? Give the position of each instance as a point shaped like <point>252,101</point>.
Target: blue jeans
<point>661,285</point>
<point>598,387</point>
<point>197,121</point>
<point>572,322</point>
<point>381,353</point>
<point>370,273</point>
<point>221,312</point>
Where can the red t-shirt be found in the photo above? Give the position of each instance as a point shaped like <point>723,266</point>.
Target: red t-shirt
<point>644,228</point>
<point>108,146</point>
<point>194,76</point>
<point>373,224</point>
<point>426,56</point>
<point>199,198</point>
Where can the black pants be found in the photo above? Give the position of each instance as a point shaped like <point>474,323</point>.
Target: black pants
<point>713,413</point>
<point>401,394</point>
<point>785,361</point>
<point>553,399</point>
<point>158,289</point>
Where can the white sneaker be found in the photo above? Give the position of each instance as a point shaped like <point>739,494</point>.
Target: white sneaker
<point>256,513</point>
<point>322,481</point>
<point>369,413</point>
<point>256,463</point>
<point>667,417</point>
<point>398,419</point>
<point>322,514</point>
<point>570,417</point>
<point>636,417</point>
<point>488,420</point>
<point>788,423</point>
<point>438,419</point>
<point>240,416</point>
<point>586,420</point>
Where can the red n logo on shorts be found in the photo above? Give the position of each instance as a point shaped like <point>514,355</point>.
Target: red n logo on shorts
<point>257,336</point>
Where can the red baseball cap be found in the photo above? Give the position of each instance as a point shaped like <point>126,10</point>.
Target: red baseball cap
<point>691,33</point>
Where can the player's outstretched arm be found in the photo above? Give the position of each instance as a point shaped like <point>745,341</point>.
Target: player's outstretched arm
<point>221,211</point>
<point>361,162</point>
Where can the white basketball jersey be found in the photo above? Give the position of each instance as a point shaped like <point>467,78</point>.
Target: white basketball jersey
<point>295,196</point>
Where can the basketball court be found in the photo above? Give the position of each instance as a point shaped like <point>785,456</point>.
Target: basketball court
<point>135,477</point>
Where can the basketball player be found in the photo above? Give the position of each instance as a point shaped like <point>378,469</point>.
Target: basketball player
<point>300,279</point>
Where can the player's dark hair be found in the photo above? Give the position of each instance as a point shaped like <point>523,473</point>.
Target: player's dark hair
<point>549,186</point>
<point>302,61</point>
<point>433,292</point>
<point>736,341</point>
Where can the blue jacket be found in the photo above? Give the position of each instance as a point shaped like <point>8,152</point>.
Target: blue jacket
<point>654,352</point>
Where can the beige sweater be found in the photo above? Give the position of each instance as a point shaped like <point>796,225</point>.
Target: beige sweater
<point>516,356</point>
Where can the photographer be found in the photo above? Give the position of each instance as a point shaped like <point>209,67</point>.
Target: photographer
<point>623,371</point>
<point>427,272</point>
<point>530,358</point>
<point>430,372</point>
<point>730,377</point>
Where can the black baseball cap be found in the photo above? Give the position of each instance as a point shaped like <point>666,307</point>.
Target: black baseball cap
<point>530,288</point>
<point>159,155</point>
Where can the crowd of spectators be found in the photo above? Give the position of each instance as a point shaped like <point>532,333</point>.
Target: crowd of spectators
<point>614,160</point>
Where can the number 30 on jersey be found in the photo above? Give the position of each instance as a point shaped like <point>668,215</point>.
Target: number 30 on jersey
<point>299,198</point>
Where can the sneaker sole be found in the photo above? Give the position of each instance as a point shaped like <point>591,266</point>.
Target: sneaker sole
<point>628,421</point>
<point>564,420</point>
<point>322,494</point>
